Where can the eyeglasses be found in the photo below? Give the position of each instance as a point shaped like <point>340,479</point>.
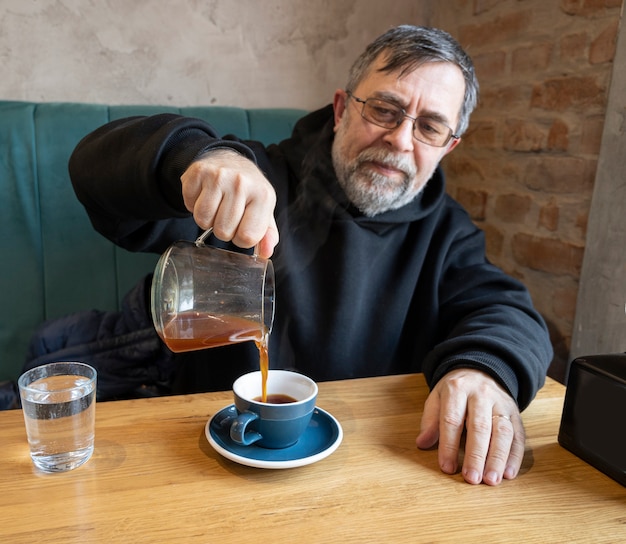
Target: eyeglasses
<point>388,115</point>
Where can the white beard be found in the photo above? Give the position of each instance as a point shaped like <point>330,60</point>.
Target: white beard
<point>371,192</point>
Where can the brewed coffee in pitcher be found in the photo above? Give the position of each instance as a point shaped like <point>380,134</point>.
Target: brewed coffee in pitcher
<point>205,297</point>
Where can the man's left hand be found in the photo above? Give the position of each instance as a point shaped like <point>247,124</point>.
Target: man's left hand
<point>470,400</point>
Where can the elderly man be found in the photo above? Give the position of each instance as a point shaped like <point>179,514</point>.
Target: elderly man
<point>378,270</point>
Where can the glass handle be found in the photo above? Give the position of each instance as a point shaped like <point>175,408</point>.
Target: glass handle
<point>200,241</point>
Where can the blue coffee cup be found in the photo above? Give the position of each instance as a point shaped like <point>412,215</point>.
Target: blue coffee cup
<point>278,423</point>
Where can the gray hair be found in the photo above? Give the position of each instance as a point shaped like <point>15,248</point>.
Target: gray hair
<point>406,47</point>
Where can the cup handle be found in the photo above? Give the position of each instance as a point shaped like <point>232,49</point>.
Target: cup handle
<point>238,432</point>
<point>225,419</point>
<point>200,241</point>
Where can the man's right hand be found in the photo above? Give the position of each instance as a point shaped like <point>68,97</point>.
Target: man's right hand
<point>228,192</point>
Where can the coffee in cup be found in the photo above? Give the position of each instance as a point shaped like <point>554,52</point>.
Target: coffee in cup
<point>280,421</point>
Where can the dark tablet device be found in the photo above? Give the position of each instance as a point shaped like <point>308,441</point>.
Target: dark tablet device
<point>593,424</point>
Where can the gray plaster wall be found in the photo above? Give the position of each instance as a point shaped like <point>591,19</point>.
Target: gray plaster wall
<point>250,53</point>
<point>600,324</point>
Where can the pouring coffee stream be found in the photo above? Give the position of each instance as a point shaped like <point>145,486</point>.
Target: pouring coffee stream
<point>203,297</point>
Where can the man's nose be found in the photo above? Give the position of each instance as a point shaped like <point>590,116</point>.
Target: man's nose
<point>401,137</point>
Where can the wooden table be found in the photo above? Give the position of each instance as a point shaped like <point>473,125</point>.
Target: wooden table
<point>155,478</point>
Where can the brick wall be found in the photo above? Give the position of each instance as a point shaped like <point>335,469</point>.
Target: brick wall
<point>525,169</point>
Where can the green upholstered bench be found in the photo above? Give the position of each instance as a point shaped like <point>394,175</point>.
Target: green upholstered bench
<point>53,262</point>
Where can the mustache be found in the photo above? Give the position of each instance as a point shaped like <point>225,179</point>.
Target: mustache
<point>385,158</point>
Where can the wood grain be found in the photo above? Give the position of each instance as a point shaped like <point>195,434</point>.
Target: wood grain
<point>154,478</point>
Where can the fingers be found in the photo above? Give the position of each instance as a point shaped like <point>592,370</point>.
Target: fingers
<point>269,242</point>
<point>451,426</point>
<point>489,448</point>
<point>478,441</point>
<point>226,191</point>
<point>518,448</point>
<point>244,216</point>
<point>443,423</point>
<point>429,426</point>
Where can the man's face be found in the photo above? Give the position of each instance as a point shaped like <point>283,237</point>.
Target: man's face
<point>384,169</point>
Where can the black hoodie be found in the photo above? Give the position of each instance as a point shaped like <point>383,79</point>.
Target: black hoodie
<point>409,290</point>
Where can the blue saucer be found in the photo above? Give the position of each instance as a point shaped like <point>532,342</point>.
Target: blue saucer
<point>321,438</point>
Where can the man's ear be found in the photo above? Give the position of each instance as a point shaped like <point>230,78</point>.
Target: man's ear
<point>339,105</point>
<point>453,143</point>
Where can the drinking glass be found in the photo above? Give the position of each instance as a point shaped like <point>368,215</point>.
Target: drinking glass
<point>59,406</point>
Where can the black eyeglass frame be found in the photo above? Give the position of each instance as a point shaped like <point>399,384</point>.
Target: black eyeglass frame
<point>451,135</point>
